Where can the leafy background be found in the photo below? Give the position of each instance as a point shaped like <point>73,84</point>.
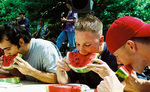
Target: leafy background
<point>106,10</point>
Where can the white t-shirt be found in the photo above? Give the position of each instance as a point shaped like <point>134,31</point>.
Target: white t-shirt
<point>43,55</point>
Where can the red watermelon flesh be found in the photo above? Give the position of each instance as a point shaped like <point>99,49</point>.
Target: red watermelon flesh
<point>8,61</point>
<point>78,60</point>
<point>64,88</point>
<point>95,90</point>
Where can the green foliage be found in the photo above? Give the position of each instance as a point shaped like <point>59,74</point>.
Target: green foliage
<point>109,10</point>
<point>106,10</point>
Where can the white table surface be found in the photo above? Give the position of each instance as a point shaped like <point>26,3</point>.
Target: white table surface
<point>26,86</point>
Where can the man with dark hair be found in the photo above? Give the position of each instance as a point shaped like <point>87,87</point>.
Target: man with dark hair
<point>23,21</point>
<point>39,59</point>
<point>69,31</point>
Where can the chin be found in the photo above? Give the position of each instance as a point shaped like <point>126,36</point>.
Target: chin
<point>138,70</point>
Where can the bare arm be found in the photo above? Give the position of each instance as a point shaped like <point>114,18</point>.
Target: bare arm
<point>68,20</point>
<point>45,77</point>
<point>62,76</point>
<point>26,69</point>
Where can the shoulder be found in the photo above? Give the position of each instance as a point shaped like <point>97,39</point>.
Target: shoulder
<point>26,19</point>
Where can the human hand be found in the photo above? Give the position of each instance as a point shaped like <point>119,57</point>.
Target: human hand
<point>110,84</point>
<point>62,65</point>
<point>132,83</point>
<point>101,68</point>
<point>23,66</point>
<point>63,19</point>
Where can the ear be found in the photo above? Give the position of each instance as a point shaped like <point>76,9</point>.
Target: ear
<point>101,40</point>
<point>131,45</point>
<point>21,42</point>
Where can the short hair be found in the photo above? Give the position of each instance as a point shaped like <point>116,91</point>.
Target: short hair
<point>89,23</point>
<point>68,2</point>
<point>14,32</point>
<point>143,40</point>
<point>21,13</point>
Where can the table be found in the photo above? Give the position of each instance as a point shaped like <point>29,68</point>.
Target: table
<point>26,86</point>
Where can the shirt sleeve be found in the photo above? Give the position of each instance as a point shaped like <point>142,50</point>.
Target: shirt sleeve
<point>50,57</point>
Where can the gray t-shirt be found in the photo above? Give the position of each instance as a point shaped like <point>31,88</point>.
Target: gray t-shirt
<point>43,55</point>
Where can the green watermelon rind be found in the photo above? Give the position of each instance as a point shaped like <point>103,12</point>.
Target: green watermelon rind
<point>121,74</point>
<point>11,67</point>
<point>14,80</point>
<point>79,70</point>
<point>82,69</point>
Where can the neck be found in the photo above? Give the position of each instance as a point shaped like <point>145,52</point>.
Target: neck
<point>25,49</point>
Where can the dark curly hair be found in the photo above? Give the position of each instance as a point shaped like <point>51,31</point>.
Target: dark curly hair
<point>68,2</point>
<point>14,32</point>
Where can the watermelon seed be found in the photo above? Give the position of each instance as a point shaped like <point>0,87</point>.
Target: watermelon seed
<point>77,63</point>
<point>77,59</point>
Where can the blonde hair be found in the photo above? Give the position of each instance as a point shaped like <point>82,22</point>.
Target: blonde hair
<point>89,23</point>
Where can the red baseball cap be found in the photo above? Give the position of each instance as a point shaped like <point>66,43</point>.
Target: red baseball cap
<point>123,29</point>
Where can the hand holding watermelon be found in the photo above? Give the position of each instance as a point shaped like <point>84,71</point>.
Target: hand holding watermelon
<point>110,84</point>
<point>8,61</point>
<point>102,69</point>
<point>63,65</point>
<point>23,66</point>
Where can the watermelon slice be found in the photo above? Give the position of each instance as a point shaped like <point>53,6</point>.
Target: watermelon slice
<point>8,61</point>
<point>95,90</point>
<point>123,72</point>
<point>78,62</point>
<point>64,88</point>
<point>14,79</point>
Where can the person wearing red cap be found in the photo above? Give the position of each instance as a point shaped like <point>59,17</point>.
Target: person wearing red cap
<point>128,38</point>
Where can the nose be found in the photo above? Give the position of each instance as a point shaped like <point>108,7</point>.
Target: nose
<point>6,53</point>
<point>82,50</point>
<point>118,61</point>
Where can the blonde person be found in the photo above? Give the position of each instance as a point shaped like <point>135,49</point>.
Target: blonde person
<point>89,39</point>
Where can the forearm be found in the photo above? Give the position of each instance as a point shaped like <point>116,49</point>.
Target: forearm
<point>71,20</point>
<point>45,77</point>
<point>62,77</point>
